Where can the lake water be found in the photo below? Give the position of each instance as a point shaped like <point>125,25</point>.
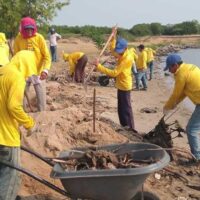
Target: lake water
<point>191,56</point>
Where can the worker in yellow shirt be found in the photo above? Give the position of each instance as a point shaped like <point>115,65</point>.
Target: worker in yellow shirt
<point>135,57</point>
<point>77,62</point>
<point>150,61</point>
<point>29,39</point>
<point>141,64</point>
<point>187,84</point>
<point>12,115</point>
<point>4,50</point>
<point>122,73</point>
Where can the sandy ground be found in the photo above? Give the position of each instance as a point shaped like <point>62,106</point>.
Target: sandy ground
<point>67,123</point>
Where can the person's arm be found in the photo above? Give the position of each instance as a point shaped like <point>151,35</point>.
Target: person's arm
<point>15,101</point>
<point>46,58</point>
<point>177,95</point>
<point>112,72</point>
<point>58,36</point>
<point>71,66</point>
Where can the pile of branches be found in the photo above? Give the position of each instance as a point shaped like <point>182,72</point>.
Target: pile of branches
<point>102,159</point>
<point>161,135</point>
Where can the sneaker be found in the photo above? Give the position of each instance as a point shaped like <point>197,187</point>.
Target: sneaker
<point>135,89</point>
<point>144,89</point>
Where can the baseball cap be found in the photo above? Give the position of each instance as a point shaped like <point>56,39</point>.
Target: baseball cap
<point>121,45</point>
<point>29,26</point>
<point>171,60</point>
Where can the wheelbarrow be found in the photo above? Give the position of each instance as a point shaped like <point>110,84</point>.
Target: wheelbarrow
<point>104,184</point>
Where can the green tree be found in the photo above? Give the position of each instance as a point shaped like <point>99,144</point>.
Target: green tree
<point>42,11</point>
<point>156,28</point>
<point>141,30</point>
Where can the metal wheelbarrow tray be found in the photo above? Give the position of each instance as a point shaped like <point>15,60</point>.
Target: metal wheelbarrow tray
<point>115,184</point>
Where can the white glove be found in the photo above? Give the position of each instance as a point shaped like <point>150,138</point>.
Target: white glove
<point>165,111</point>
<point>32,130</point>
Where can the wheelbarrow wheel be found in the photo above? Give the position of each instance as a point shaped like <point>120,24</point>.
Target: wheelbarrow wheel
<point>103,80</point>
<point>147,196</point>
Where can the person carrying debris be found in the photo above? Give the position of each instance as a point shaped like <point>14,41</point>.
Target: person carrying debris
<point>4,50</point>
<point>122,73</point>
<point>77,62</point>
<point>29,39</point>
<point>12,85</point>
<point>187,84</point>
<point>150,60</point>
<point>53,37</point>
<point>141,65</point>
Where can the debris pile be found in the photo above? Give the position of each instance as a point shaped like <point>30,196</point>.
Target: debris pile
<point>102,159</point>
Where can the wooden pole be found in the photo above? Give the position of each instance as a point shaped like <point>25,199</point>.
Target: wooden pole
<point>101,53</point>
<point>94,110</point>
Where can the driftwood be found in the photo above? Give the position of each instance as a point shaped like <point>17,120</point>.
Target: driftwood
<point>102,159</point>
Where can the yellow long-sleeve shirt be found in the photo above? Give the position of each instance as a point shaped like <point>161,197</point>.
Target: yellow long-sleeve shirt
<point>187,83</point>
<point>134,54</point>
<point>37,44</point>
<point>72,59</point>
<point>12,84</point>
<point>150,54</point>
<point>141,62</point>
<point>122,71</point>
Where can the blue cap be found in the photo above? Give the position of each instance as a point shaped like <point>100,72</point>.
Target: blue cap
<point>121,45</point>
<point>171,60</point>
<point>29,26</point>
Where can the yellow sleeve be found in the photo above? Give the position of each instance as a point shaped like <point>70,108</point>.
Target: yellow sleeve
<point>71,66</point>
<point>15,107</point>
<point>177,95</point>
<point>45,54</point>
<point>111,72</point>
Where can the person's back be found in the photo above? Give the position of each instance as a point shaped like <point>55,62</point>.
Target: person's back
<point>124,78</point>
<point>187,84</point>
<point>12,115</point>
<point>141,62</point>
<point>77,62</point>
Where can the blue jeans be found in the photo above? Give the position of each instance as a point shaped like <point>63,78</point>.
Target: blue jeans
<point>150,66</point>
<point>9,178</point>
<point>53,50</point>
<point>141,76</point>
<point>193,132</point>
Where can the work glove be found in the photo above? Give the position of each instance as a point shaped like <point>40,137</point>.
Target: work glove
<point>32,130</point>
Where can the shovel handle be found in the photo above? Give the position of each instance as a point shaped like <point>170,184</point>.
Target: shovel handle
<point>101,53</point>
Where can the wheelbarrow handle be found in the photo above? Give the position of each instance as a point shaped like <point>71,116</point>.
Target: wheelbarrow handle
<point>39,179</point>
<point>46,160</point>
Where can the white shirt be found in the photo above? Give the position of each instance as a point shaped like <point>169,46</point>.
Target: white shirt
<point>53,39</point>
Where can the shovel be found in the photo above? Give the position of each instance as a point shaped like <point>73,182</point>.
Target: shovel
<point>63,157</point>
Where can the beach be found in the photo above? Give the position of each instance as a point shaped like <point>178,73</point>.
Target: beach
<point>67,123</point>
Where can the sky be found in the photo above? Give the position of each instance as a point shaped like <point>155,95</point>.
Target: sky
<point>127,13</point>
